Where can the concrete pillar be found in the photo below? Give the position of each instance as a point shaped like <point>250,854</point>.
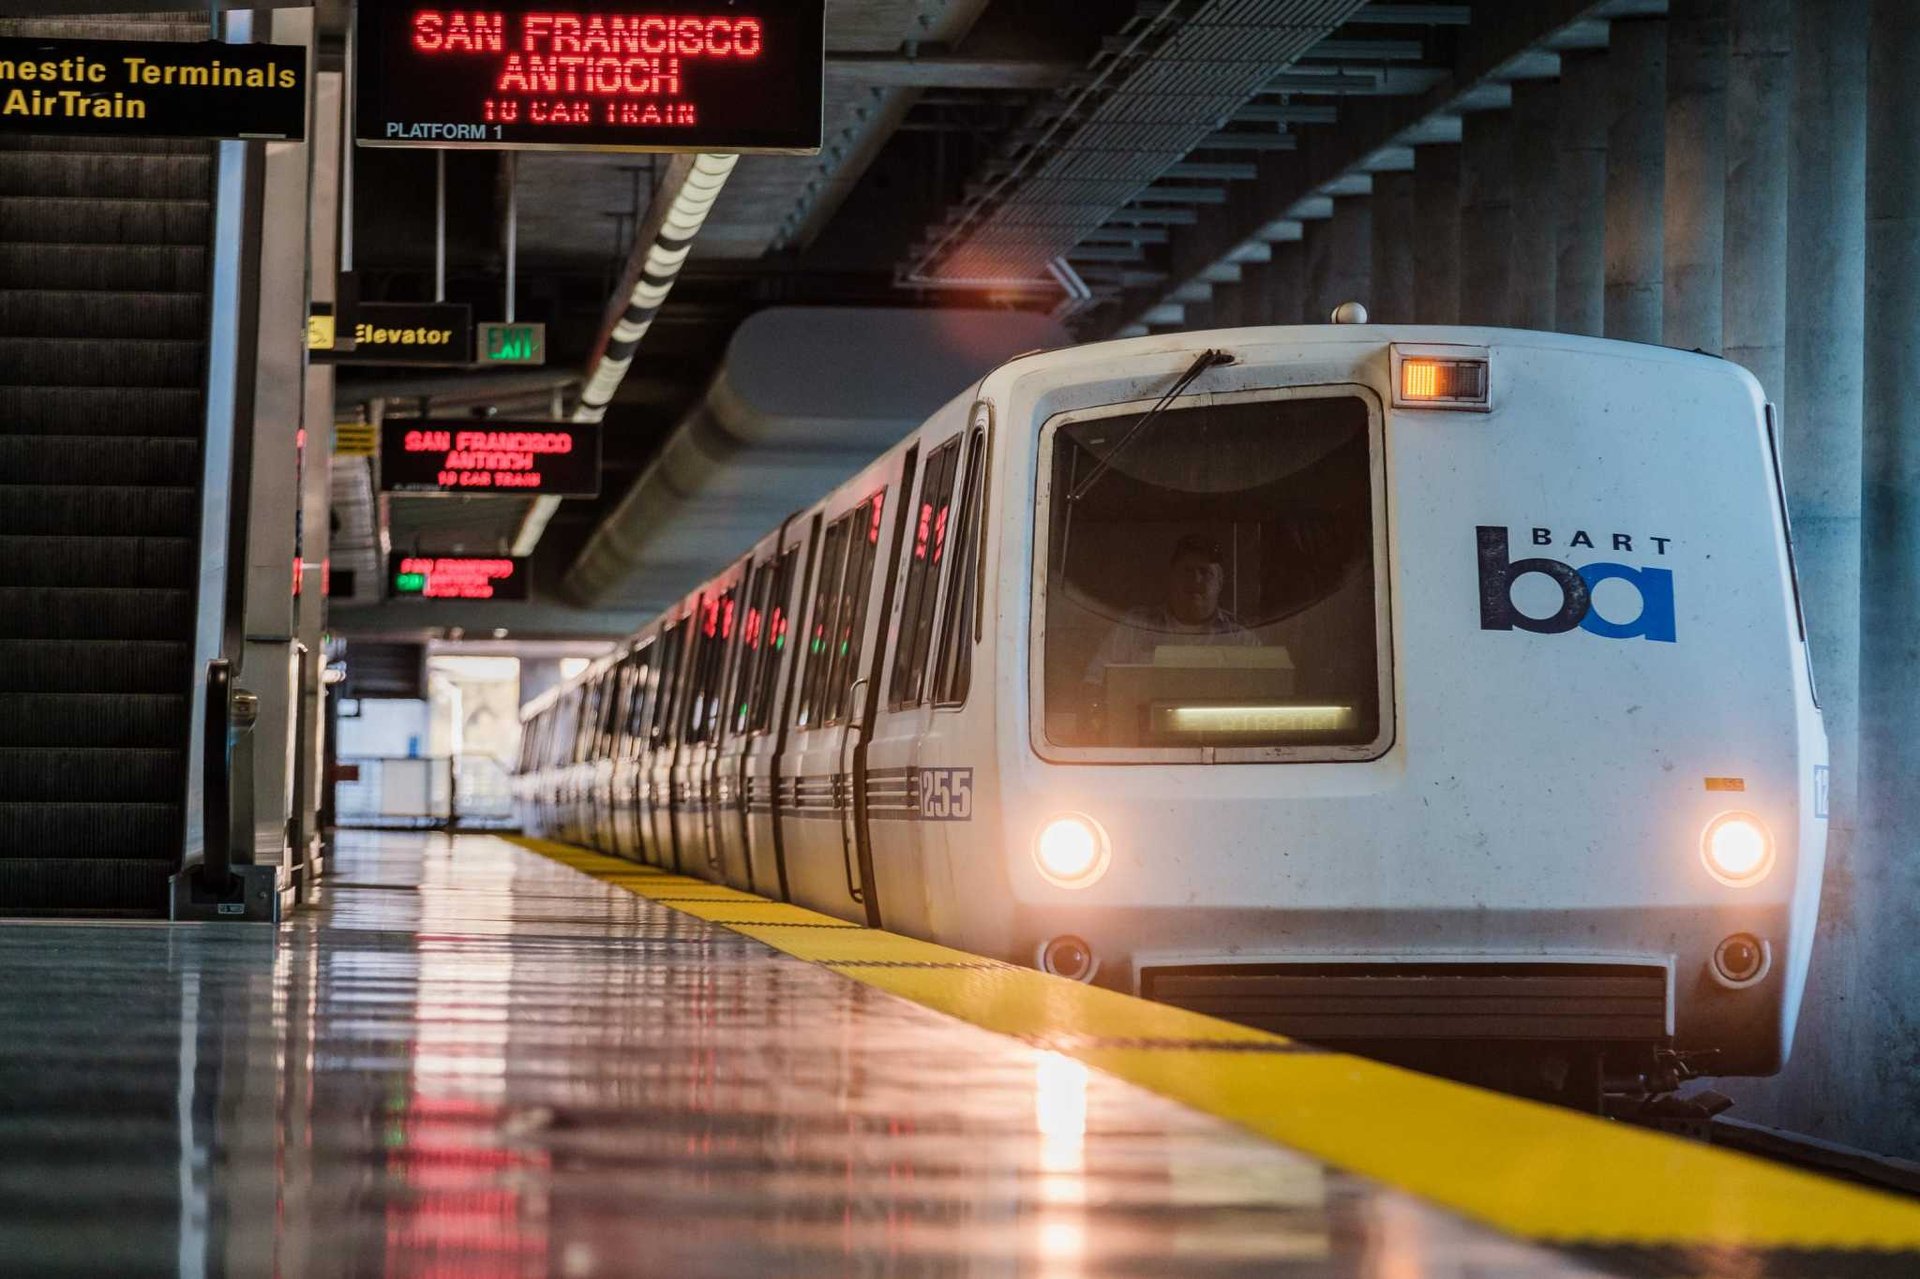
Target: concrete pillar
<point>1759,97</point>
<point>1536,110</point>
<point>1286,282</point>
<point>1887,864</point>
<point>1340,257</point>
<point>1580,196</point>
<point>1486,216</point>
<point>1636,176</point>
<point>1436,196</point>
<point>1256,302</point>
<point>1393,256</point>
<point>1821,1090</point>
<point>1696,178</point>
<point>1227,305</point>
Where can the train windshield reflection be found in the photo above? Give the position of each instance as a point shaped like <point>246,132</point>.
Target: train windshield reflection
<point>1210,578</point>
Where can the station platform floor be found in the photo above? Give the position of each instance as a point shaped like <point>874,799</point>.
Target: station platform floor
<point>488,1058</point>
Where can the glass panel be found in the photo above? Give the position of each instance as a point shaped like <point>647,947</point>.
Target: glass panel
<point>865,541</point>
<point>768,672</point>
<point>923,575</point>
<point>955,669</point>
<point>663,730</point>
<point>638,693</point>
<point>822,622</point>
<point>752,632</point>
<point>1210,578</point>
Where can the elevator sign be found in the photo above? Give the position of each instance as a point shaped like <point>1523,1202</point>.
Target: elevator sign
<point>458,577</point>
<point>709,75</point>
<point>553,459</point>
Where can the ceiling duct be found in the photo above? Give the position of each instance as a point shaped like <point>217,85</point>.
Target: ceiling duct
<point>1176,73</point>
<point>804,398</point>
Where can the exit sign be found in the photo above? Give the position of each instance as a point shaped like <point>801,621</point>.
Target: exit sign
<point>513,344</point>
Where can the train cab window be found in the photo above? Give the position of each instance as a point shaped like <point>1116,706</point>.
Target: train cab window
<point>822,621</point>
<point>925,555</point>
<point>953,671</point>
<point>774,628</point>
<point>863,544</point>
<point>1212,582</point>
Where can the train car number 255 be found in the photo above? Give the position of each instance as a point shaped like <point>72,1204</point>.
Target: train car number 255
<point>946,794</point>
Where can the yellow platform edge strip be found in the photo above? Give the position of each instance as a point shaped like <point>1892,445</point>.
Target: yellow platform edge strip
<point>1525,1168</point>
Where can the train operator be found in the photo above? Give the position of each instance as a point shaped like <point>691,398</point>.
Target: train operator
<point>1190,613</point>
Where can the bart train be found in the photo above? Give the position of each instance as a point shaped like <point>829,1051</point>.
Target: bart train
<point>1438,691</point>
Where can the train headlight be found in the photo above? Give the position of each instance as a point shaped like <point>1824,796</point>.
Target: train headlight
<point>1071,850</point>
<point>1737,849</point>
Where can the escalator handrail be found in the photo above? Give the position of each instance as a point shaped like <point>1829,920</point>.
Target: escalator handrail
<point>217,747</point>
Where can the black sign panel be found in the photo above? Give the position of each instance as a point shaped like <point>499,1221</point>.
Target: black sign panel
<point>457,577</point>
<point>153,88</point>
<point>417,333</point>
<point>557,459</point>
<point>704,75</point>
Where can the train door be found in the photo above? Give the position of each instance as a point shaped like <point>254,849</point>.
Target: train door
<point>600,758</point>
<point>825,844</point>
<point>704,729</point>
<point>663,738</point>
<point>892,773</point>
<point>631,725</point>
<point>774,682</point>
<point>727,817</point>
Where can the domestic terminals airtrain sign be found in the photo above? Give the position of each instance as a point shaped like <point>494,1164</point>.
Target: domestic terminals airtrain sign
<point>557,459</point>
<point>709,75</point>
<point>152,88</point>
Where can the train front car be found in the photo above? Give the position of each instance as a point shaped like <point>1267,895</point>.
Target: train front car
<point>1437,692</point>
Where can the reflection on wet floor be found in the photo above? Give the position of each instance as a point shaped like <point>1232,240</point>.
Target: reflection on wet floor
<point>473,1061</point>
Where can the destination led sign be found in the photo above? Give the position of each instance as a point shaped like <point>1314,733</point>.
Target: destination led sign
<point>458,577</point>
<point>152,88</point>
<point>707,75</point>
<point>555,459</point>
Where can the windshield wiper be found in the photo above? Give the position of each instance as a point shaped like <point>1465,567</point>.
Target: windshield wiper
<point>1206,360</point>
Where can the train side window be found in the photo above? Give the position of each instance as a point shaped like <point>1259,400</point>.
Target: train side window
<point>864,542</point>
<point>923,561</point>
<point>638,686</point>
<point>767,674</point>
<point>666,699</point>
<point>753,626</point>
<point>716,632</point>
<point>611,685</point>
<point>953,671</point>
<point>822,621</point>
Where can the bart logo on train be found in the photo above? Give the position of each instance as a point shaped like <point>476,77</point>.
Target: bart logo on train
<point>1577,584</point>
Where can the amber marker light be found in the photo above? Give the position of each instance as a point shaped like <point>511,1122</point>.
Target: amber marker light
<point>1071,850</point>
<point>1737,849</point>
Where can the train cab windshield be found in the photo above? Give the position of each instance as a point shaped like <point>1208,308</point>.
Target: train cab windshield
<point>1211,581</point>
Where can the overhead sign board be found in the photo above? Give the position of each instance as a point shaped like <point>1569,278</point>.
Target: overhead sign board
<point>522,344</point>
<point>153,88</point>
<point>457,577</point>
<point>709,75</point>
<point>414,333</point>
<point>553,459</point>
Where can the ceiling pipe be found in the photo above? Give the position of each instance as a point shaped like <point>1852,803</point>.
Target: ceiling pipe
<point>678,211</point>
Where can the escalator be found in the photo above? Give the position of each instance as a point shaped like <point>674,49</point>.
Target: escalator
<point>103,332</point>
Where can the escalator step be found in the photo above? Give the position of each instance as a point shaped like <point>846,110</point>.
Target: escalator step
<point>128,830</point>
<point>115,27</point>
<point>97,561</point>
<point>96,460</point>
<point>97,313</point>
<point>74,145</point>
<point>93,719</point>
<point>43,612</point>
<point>174,362</point>
<point>146,267</point>
<point>82,509</point>
<point>111,885</point>
<point>101,410</point>
<point>140,775</point>
<point>106,175</point>
<point>94,666</point>
<point>37,220</point>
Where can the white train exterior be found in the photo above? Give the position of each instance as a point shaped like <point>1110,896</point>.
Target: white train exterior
<point>1501,733</point>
